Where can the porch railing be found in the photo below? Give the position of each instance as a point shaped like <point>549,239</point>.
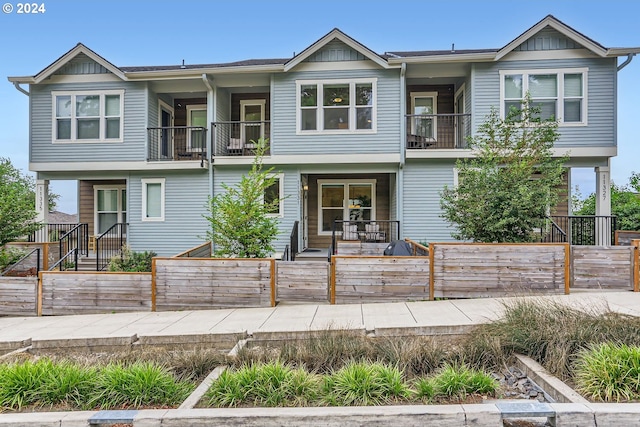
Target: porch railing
<point>25,266</point>
<point>109,244</point>
<point>375,231</point>
<point>293,241</point>
<point>438,131</point>
<point>177,143</point>
<point>238,138</point>
<point>68,262</point>
<point>53,231</point>
<point>75,238</point>
<point>579,229</point>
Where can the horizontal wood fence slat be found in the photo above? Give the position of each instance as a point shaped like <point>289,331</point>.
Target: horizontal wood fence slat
<point>361,248</point>
<point>485,270</point>
<point>625,237</point>
<point>597,267</point>
<point>200,251</point>
<point>209,283</point>
<point>302,281</point>
<point>379,279</point>
<point>94,292</point>
<point>18,296</point>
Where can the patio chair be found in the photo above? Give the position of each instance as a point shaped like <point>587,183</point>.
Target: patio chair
<point>373,233</point>
<point>350,231</point>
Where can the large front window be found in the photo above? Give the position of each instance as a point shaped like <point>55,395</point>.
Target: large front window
<point>336,106</point>
<point>345,201</point>
<point>110,207</point>
<point>558,94</point>
<point>87,116</point>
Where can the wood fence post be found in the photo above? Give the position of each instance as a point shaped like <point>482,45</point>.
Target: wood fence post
<point>636,265</point>
<point>39,295</point>
<point>153,284</point>
<point>567,268</point>
<point>432,290</point>
<point>273,282</point>
<point>332,280</point>
<point>45,256</point>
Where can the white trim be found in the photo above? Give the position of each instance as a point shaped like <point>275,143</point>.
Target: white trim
<point>280,214</point>
<point>559,72</point>
<point>351,130</point>
<point>163,105</point>
<point>434,97</point>
<point>462,93</point>
<point>115,166</point>
<point>338,66</point>
<point>191,108</point>
<point>74,118</point>
<point>345,208</point>
<point>120,209</point>
<point>312,159</point>
<point>145,182</point>
<point>538,55</point>
<point>83,78</point>
<point>455,177</point>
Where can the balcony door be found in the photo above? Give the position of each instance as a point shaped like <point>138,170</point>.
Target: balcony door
<point>424,107</point>
<point>352,200</point>
<point>166,137</point>
<point>252,118</point>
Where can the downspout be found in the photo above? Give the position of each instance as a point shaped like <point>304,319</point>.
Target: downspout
<point>626,62</point>
<point>211,104</point>
<point>403,146</point>
<point>17,85</point>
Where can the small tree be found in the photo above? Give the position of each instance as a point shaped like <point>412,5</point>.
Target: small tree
<point>513,181</point>
<point>240,224</point>
<point>17,203</point>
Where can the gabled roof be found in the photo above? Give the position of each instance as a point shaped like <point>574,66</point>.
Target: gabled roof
<point>559,26</point>
<point>64,59</point>
<point>244,63</point>
<point>331,35</point>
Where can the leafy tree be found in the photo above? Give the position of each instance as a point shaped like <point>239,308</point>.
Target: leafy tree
<point>17,203</point>
<point>625,204</point>
<point>506,190</point>
<point>240,225</point>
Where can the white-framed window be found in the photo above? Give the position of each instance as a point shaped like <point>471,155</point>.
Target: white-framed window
<point>153,199</point>
<point>88,116</point>
<point>336,106</point>
<point>110,206</point>
<point>424,107</point>
<point>275,192</point>
<point>196,117</point>
<point>559,93</point>
<point>346,200</point>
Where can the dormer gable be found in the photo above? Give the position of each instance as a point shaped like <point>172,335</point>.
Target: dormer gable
<point>336,46</point>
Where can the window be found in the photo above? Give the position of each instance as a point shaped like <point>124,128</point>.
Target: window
<point>88,116</point>
<point>197,120</point>
<point>336,106</point>
<point>560,94</point>
<point>153,199</point>
<point>346,201</point>
<point>110,207</point>
<point>273,197</point>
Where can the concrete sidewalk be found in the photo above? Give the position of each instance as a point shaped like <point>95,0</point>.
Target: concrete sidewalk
<point>283,321</point>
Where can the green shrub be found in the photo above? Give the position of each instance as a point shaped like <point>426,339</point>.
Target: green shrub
<point>455,381</point>
<point>132,261</point>
<point>9,256</point>
<point>608,372</point>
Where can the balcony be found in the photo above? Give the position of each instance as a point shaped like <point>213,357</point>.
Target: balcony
<point>438,131</point>
<point>177,143</point>
<point>235,138</point>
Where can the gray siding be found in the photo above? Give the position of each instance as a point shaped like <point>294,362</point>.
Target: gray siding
<point>232,176</point>
<point>548,39</point>
<point>82,64</point>
<point>386,140</point>
<point>335,50</point>
<point>185,203</point>
<point>134,114</point>
<point>423,181</point>
<point>600,97</point>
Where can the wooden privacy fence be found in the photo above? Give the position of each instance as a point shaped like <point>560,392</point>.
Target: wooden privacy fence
<point>595,267</point>
<point>18,296</point>
<point>200,251</point>
<point>626,238</point>
<point>302,281</point>
<point>207,283</point>
<point>80,292</point>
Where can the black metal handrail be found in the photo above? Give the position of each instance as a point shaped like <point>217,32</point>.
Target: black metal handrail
<point>77,237</point>
<point>109,244</point>
<point>235,138</point>
<point>54,231</point>
<point>438,131</point>
<point>378,231</point>
<point>62,262</point>
<point>293,240</point>
<point>286,254</point>
<point>579,230</point>
<point>21,260</point>
<point>177,143</point>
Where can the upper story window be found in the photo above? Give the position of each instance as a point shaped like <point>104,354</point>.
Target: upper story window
<point>560,94</point>
<point>88,116</point>
<point>338,106</point>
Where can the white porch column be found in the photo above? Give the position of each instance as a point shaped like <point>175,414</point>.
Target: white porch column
<point>603,205</point>
<point>42,208</point>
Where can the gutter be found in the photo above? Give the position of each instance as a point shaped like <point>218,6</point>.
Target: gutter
<point>626,62</point>
<point>17,85</point>
<point>210,116</point>
<point>403,145</point>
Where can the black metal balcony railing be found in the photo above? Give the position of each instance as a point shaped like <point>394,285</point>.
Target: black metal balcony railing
<point>109,244</point>
<point>75,238</point>
<point>177,143</point>
<point>238,138</point>
<point>578,230</point>
<point>438,131</point>
<point>376,231</point>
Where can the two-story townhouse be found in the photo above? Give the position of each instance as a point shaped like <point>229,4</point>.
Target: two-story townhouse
<point>354,135</point>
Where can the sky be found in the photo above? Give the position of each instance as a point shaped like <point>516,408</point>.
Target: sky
<point>159,32</point>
